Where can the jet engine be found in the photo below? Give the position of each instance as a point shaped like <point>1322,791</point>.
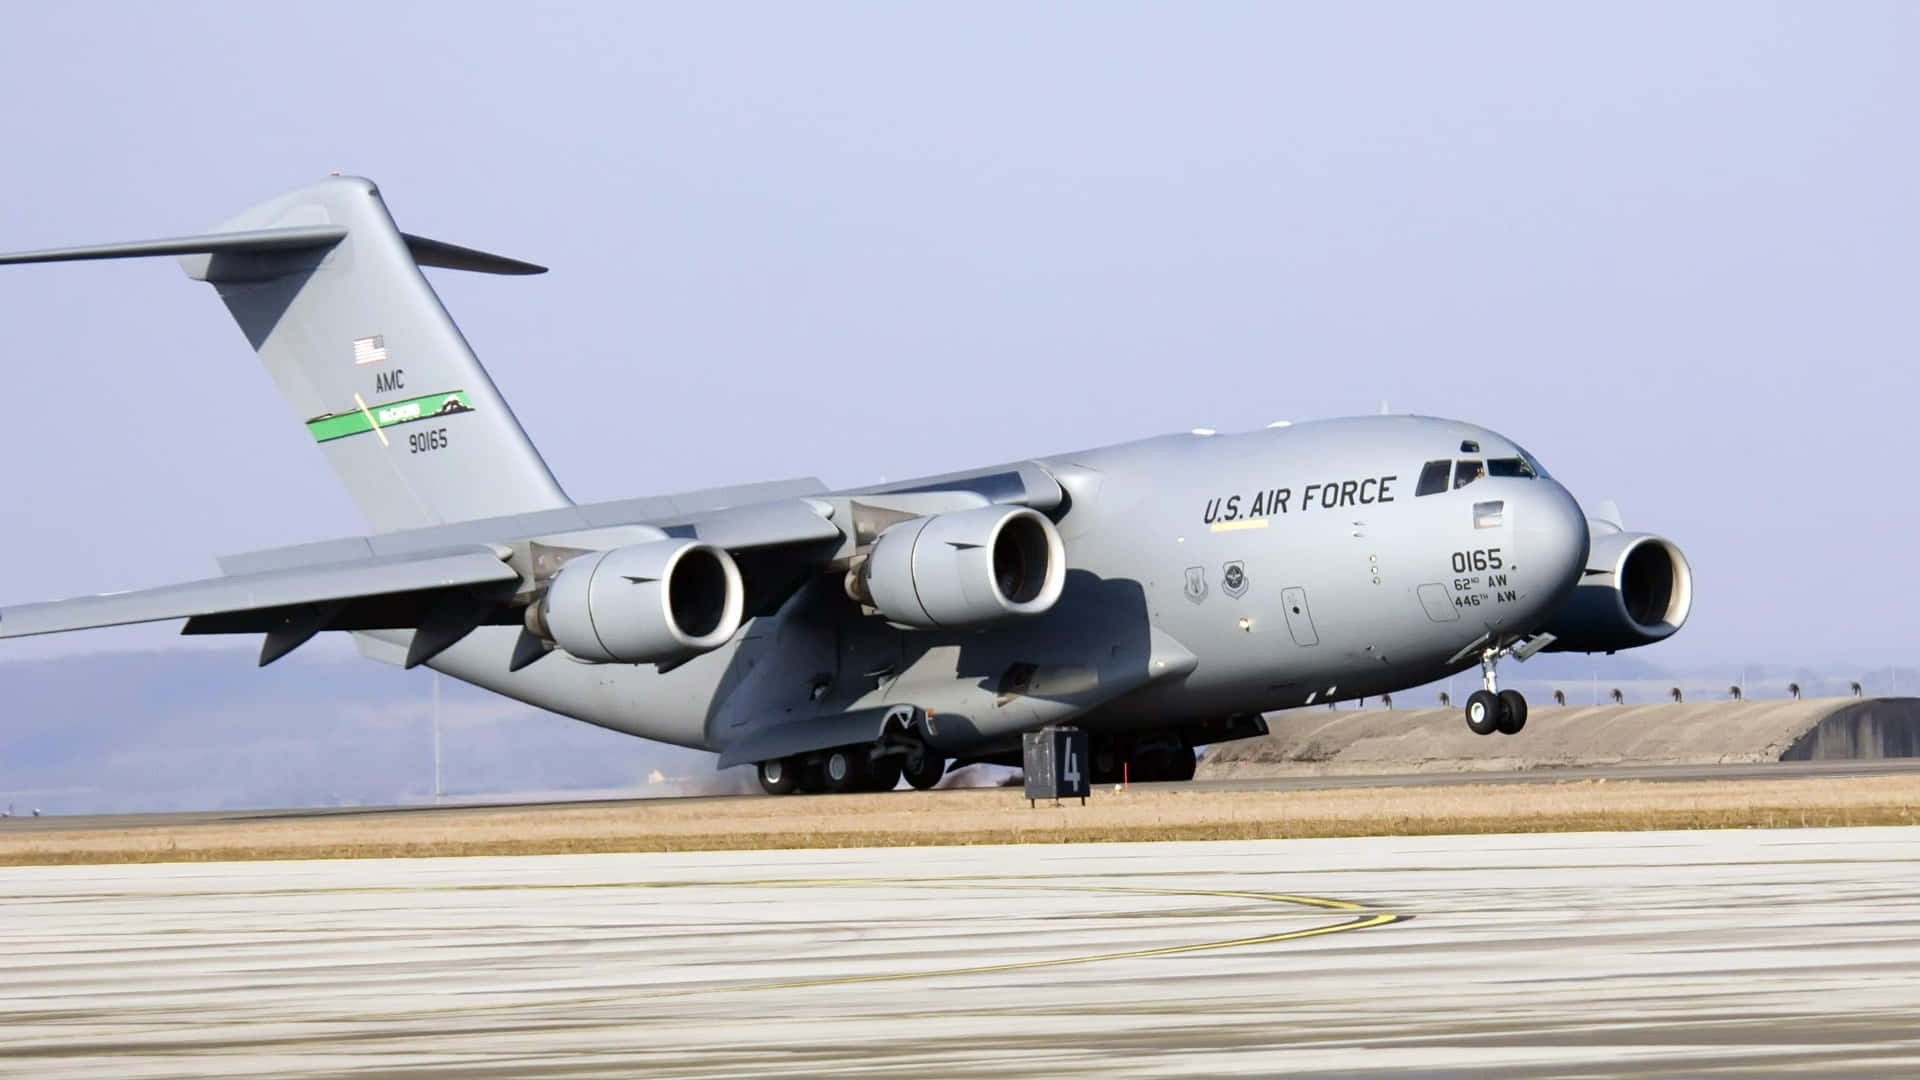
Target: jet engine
<point>963,568</point>
<point>1637,589</point>
<point>648,603</point>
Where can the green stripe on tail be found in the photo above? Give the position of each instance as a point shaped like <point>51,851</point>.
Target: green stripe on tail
<point>359,422</point>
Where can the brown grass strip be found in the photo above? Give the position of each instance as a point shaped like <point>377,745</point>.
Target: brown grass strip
<point>993,817</point>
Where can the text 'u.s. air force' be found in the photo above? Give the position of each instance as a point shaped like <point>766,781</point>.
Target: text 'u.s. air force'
<point>1272,502</point>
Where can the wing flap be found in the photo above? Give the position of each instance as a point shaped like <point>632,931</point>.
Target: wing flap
<point>261,600</point>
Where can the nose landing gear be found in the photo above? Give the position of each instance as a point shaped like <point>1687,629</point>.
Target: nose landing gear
<point>1492,709</point>
<point>1484,713</point>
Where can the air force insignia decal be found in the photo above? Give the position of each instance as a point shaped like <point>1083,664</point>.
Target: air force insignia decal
<point>1233,580</point>
<point>1196,583</point>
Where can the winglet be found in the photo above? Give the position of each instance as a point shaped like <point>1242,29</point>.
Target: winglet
<point>1605,511</point>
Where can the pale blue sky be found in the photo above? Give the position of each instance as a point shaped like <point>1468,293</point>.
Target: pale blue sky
<point>1671,248</point>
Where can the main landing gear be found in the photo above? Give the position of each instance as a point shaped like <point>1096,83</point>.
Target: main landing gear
<point>842,770</point>
<point>1492,709</point>
<point>923,770</point>
<point>781,776</point>
<point>1144,759</point>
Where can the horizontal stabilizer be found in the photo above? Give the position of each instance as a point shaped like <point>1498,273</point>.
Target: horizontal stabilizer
<point>454,257</point>
<point>425,251</point>
<point>270,591</point>
<point>251,241</point>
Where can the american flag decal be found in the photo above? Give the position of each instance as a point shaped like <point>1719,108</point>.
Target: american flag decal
<point>370,350</point>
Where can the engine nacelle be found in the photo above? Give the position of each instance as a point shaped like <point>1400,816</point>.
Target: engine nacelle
<point>648,603</point>
<point>1637,590</point>
<point>964,568</point>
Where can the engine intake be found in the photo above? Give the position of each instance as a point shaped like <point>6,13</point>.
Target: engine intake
<point>1637,589</point>
<point>963,568</point>
<point>648,603</point>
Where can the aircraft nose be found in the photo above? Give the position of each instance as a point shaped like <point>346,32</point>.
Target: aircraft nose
<point>1553,539</point>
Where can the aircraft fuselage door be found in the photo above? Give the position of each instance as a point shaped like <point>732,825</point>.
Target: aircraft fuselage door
<point>1299,616</point>
<point>1439,605</point>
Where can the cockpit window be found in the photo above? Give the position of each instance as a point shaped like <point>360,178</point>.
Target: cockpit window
<point>1532,462</point>
<point>1433,476</point>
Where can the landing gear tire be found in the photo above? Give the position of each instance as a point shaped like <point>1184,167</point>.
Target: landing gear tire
<point>932,766</point>
<point>1491,709</point>
<point>843,770</point>
<point>781,776</point>
<point>883,775</point>
<point>1484,712</point>
<point>1181,767</point>
<point>1513,710</point>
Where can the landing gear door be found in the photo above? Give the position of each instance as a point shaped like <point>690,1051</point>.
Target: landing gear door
<point>1299,616</point>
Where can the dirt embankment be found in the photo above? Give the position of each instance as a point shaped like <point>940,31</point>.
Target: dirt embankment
<point>1384,741</point>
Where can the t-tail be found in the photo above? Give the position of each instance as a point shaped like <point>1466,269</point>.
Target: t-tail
<point>329,292</point>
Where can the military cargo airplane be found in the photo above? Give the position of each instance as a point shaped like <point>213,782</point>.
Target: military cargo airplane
<point>1161,594</point>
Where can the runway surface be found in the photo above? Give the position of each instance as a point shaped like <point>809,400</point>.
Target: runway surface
<point>1798,770</point>
<point>1754,953</point>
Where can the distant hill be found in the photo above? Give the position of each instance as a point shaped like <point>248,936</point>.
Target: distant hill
<point>193,729</point>
<point>198,728</point>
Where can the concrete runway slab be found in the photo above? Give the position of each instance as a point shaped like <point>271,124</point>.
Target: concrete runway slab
<point>1755,953</point>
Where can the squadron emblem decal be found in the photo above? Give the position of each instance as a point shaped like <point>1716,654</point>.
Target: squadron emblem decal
<point>1233,580</point>
<point>1196,583</point>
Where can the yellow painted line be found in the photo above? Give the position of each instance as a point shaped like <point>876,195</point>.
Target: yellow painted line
<point>1041,886</point>
<point>1367,919</point>
<point>371,422</point>
<point>1236,526</point>
<point>1362,923</point>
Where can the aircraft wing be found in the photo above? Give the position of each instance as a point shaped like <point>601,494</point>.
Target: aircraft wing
<point>444,581</point>
<point>371,583</point>
<point>320,585</point>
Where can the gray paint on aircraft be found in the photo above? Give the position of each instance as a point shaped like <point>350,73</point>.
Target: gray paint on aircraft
<point>1188,559</point>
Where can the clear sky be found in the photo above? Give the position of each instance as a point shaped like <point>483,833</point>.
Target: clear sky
<point>1673,249</point>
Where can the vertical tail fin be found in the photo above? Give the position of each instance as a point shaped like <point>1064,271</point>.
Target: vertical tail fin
<point>363,351</point>
<point>330,294</point>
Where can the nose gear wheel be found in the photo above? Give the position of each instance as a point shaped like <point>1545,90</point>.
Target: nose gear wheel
<point>1490,709</point>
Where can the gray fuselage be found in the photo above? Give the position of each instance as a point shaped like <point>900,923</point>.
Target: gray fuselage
<point>1208,576</point>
